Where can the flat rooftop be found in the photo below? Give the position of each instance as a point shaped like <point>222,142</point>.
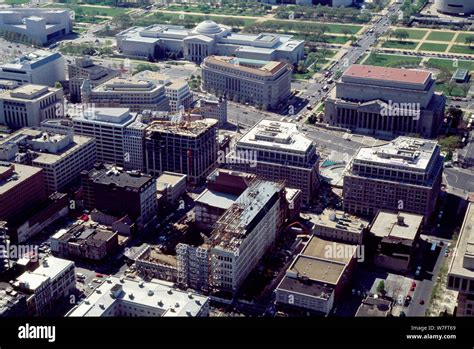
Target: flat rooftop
<point>265,68</point>
<point>403,226</point>
<point>155,295</point>
<point>190,129</point>
<point>170,178</point>
<point>28,92</point>
<point>216,199</point>
<point>340,220</point>
<point>113,175</point>
<point>462,263</point>
<point>317,269</point>
<point>32,60</point>
<point>317,247</point>
<point>406,152</point>
<point>21,174</point>
<point>382,74</point>
<point>276,135</point>
<point>106,116</point>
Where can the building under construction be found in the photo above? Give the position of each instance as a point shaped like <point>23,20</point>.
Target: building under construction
<point>187,147</point>
<point>237,243</point>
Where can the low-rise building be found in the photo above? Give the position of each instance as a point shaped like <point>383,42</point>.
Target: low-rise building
<point>172,186</point>
<point>29,105</point>
<point>84,242</point>
<point>12,303</point>
<point>152,264</point>
<point>266,85</point>
<point>54,279</point>
<point>397,235</point>
<point>373,306</point>
<point>211,107</point>
<point>339,226</point>
<point>127,298</point>
<point>317,277</point>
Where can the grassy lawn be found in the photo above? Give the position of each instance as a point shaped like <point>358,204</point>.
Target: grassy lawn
<point>462,49</point>
<point>456,92</point>
<point>414,34</point>
<point>440,36</point>
<point>461,38</point>
<point>93,11</point>
<point>16,2</point>
<point>296,27</point>
<point>382,60</point>
<point>190,21</point>
<point>448,64</point>
<point>255,9</point>
<point>406,45</point>
<point>427,46</point>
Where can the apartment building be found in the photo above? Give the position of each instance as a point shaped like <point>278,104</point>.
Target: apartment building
<point>461,269</point>
<point>339,226</point>
<point>119,193</point>
<point>122,92</point>
<point>84,242</point>
<point>114,141</point>
<point>386,102</point>
<point>61,156</point>
<point>29,105</point>
<point>54,279</point>
<point>128,298</point>
<point>39,67</point>
<point>41,25</point>
<point>83,68</point>
<point>266,85</point>
<point>277,151</point>
<point>21,189</point>
<point>188,148</point>
<point>317,277</point>
<point>402,175</point>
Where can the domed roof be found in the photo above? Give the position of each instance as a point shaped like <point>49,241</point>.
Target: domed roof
<point>208,27</point>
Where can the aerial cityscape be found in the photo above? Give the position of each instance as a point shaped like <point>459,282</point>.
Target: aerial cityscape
<point>236,158</point>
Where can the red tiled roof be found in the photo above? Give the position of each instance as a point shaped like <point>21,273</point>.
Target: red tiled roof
<point>390,74</point>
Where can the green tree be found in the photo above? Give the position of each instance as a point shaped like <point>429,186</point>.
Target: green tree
<point>381,288</point>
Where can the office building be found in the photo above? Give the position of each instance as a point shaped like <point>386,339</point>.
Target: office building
<point>52,280</point>
<point>61,156</point>
<point>188,148</point>
<point>454,7</point>
<point>21,189</point>
<point>134,144</point>
<point>277,151</point>
<point>402,175</point>
<point>84,241</point>
<point>109,128</point>
<point>118,193</point>
<point>40,25</point>
<point>83,68</point>
<point>12,303</point>
<point>396,236</point>
<point>179,96</point>
<point>386,102</point>
<point>266,85</point>
<point>137,95</point>
<point>211,107</point>
<point>339,226</point>
<point>317,277</point>
<point>29,105</point>
<point>39,67</point>
<point>207,38</point>
<point>126,298</point>
<point>461,268</point>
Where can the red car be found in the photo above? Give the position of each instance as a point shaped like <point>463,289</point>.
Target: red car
<point>99,275</point>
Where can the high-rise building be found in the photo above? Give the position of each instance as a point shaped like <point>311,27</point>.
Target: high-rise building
<point>402,175</point>
<point>39,67</point>
<point>386,102</point>
<point>461,269</point>
<point>109,127</point>
<point>211,107</point>
<point>137,95</point>
<point>277,151</point>
<point>189,148</point>
<point>61,156</point>
<point>260,83</point>
<point>41,25</point>
<point>29,105</point>
<point>84,68</point>
<point>179,95</point>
